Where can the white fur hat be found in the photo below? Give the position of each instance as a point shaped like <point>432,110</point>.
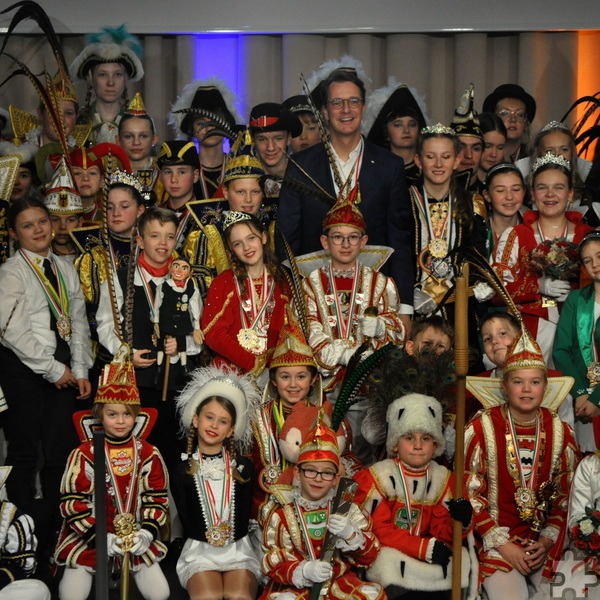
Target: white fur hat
<point>415,413</point>
<point>240,390</point>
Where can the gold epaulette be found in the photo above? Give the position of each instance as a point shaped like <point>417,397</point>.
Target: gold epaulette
<point>22,121</point>
<point>479,205</point>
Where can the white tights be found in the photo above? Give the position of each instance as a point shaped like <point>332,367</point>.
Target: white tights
<point>76,583</point>
<point>513,585</point>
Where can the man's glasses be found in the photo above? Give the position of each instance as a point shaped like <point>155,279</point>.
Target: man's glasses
<point>312,474</point>
<point>353,102</point>
<point>507,115</point>
<point>338,239</point>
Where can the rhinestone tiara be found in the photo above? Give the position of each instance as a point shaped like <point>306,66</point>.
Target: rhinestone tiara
<point>439,129</point>
<point>550,159</point>
<point>233,216</point>
<point>119,176</point>
<point>555,125</point>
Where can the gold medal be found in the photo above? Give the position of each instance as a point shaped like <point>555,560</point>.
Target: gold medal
<point>526,500</point>
<point>183,307</point>
<point>63,326</point>
<point>125,529</point>
<point>438,248</point>
<point>218,535</point>
<point>593,373</point>
<point>251,341</point>
<point>270,475</point>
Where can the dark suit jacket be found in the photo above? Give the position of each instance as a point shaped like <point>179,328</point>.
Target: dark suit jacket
<point>385,206</point>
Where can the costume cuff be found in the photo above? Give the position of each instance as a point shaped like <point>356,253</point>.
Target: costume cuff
<point>356,542</point>
<point>497,536</point>
<point>550,532</point>
<point>298,579</point>
<point>405,309</point>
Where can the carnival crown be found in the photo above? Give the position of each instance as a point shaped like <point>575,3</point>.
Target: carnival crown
<point>117,381</point>
<point>524,353</point>
<point>233,216</point>
<point>438,129</point>
<point>321,444</point>
<point>345,212</point>
<point>465,121</point>
<point>136,106</point>
<point>62,197</point>
<point>292,349</point>
<point>125,178</point>
<point>242,161</point>
<point>550,159</point>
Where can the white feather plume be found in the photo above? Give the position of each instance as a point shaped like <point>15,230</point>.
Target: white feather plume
<point>187,95</point>
<point>25,151</point>
<point>326,68</point>
<point>381,95</point>
<point>227,382</point>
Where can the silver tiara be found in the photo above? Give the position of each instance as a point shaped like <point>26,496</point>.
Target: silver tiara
<point>233,216</point>
<point>550,159</point>
<point>126,178</point>
<point>438,129</point>
<point>555,125</point>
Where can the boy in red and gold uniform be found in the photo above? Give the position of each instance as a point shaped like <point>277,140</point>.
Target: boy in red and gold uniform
<point>294,534</point>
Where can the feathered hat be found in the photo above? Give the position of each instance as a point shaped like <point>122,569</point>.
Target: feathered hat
<point>345,63</point>
<point>226,383</point>
<point>320,445</point>
<point>117,381</point>
<point>415,413</point>
<point>465,121</point>
<point>110,45</point>
<point>242,161</point>
<point>61,196</point>
<point>394,100</point>
<point>209,95</point>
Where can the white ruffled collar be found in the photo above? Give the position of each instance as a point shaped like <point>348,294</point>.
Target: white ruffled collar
<point>312,504</point>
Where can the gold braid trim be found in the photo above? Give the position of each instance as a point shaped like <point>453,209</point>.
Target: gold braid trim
<point>293,526</point>
<point>220,313</point>
<point>491,463</point>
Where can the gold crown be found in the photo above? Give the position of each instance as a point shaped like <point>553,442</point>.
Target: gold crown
<point>118,176</point>
<point>233,216</point>
<point>550,159</point>
<point>438,129</point>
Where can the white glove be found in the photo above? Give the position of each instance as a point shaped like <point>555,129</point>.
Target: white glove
<point>341,526</point>
<point>141,542</point>
<point>554,288</point>
<point>372,326</point>
<point>317,571</point>
<point>450,437</point>
<point>483,291</point>
<point>113,545</point>
<point>424,304</point>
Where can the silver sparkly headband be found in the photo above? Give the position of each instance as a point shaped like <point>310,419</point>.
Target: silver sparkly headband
<point>233,216</point>
<point>438,129</point>
<point>550,159</point>
<point>555,125</point>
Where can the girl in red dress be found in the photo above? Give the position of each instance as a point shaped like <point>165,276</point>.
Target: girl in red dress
<point>245,305</point>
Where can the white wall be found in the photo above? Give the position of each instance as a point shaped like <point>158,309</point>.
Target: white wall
<point>321,16</point>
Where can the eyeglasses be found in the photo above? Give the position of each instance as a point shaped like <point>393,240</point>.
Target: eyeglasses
<point>312,474</point>
<point>337,239</point>
<point>519,115</point>
<point>353,102</point>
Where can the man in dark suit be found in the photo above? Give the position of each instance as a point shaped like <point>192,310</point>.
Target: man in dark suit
<point>385,204</point>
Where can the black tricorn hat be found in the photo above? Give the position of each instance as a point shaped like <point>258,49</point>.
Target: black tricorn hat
<point>510,90</point>
<point>208,98</point>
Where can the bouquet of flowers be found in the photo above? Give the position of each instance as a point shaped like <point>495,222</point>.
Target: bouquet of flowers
<point>586,534</point>
<point>557,259</point>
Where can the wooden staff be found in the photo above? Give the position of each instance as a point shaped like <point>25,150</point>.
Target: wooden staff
<point>101,586</point>
<point>461,359</point>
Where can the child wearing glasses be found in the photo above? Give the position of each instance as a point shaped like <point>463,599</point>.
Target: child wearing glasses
<point>294,534</point>
<point>409,496</point>
<point>350,306</point>
<point>347,302</point>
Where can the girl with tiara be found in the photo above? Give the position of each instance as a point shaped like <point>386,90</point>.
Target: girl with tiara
<point>523,250</point>
<point>213,486</point>
<point>445,217</point>
<point>245,306</point>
